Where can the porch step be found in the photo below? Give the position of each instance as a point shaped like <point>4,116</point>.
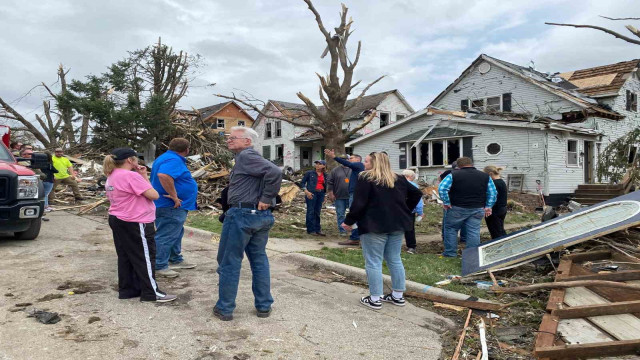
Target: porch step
<point>590,192</point>
<point>600,187</point>
<point>599,196</point>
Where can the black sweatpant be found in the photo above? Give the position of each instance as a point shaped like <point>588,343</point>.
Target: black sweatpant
<point>136,249</point>
<point>495,222</point>
<point>410,236</point>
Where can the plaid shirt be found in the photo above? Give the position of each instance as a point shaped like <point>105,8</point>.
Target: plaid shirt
<point>445,186</point>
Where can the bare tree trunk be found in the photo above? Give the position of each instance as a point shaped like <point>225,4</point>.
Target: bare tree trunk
<point>84,130</point>
<point>66,112</point>
<point>14,115</point>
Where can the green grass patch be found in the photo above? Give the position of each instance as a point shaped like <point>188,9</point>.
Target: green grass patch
<point>422,268</point>
<point>204,222</point>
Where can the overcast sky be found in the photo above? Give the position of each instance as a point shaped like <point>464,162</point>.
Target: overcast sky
<point>272,48</point>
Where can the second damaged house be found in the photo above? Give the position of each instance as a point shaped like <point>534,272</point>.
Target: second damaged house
<point>545,130</point>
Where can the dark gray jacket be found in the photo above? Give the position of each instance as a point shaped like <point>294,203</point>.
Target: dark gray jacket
<point>253,179</point>
<point>336,182</point>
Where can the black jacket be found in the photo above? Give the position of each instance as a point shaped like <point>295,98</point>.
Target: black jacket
<point>382,210</point>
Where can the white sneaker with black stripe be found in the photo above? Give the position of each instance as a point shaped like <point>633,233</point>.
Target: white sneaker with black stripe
<point>395,301</point>
<point>375,305</point>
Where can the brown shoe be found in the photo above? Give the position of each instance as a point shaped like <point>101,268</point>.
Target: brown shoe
<point>320,234</point>
<point>350,243</point>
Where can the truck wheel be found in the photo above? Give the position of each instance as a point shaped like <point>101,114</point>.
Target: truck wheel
<point>32,232</point>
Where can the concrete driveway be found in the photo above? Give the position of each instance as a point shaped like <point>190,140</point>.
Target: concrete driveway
<point>313,318</point>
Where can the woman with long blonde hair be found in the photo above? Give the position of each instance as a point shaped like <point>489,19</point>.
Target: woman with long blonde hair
<point>382,206</point>
<point>495,221</point>
<point>131,217</point>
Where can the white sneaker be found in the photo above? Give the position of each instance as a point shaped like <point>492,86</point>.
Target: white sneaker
<point>48,209</point>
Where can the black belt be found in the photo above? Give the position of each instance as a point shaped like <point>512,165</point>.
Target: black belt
<point>244,205</point>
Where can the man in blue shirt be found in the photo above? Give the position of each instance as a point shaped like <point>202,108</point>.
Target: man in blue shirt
<point>355,164</point>
<point>467,195</point>
<point>178,193</point>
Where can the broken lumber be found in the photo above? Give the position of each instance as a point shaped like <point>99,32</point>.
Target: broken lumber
<point>575,351</point>
<point>565,285</point>
<point>614,308</point>
<point>466,303</point>
<point>92,206</point>
<point>456,354</point>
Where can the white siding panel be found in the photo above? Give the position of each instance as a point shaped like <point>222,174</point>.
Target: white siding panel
<point>525,96</point>
<point>391,104</point>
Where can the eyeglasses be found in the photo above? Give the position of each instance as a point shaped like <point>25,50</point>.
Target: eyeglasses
<point>232,138</point>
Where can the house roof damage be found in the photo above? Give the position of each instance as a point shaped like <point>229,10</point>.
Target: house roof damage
<point>208,111</point>
<point>601,81</point>
<point>301,112</point>
<point>550,82</point>
<point>436,133</point>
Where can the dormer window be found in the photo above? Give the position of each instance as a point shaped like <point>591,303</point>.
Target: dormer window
<point>488,104</point>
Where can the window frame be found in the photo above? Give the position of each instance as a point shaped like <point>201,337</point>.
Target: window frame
<point>277,131</point>
<point>486,149</point>
<point>241,121</point>
<point>268,131</point>
<point>445,151</point>
<point>388,118</point>
<point>403,115</point>
<point>577,152</point>
<point>484,102</point>
<point>218,123</point>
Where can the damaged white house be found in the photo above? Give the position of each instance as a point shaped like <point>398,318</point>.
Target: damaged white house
<point>296,147</point>
<point>545,130</point>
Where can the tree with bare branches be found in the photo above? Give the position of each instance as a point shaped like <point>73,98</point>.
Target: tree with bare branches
<point>326,119</point>
<point>631,29</point>
<point>57,125</point>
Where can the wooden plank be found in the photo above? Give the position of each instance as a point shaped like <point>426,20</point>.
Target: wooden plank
<point>589,256</point>
<point>580,331</point>
<point>611,294</point>
<point>466,303</point>
<point>621,327</point>
<point>575,351</point>
<point>546,335</point>
<point>615,308</point>
<point>564,269</point>
<point>556,298</point>
<point>609,276</point>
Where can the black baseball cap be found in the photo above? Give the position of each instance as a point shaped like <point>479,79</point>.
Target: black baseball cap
<point>123,153</point>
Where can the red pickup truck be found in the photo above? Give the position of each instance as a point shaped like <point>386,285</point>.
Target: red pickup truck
<point>21,195</point>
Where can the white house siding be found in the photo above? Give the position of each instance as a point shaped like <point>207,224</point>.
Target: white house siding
<point>525,96</point>
<point>564,178</point>
<point>288,133</point>
<point>615,129</point>
<point>391,104</point>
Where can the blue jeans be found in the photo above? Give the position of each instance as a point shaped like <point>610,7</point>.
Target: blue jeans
<point>244,231</point>
<point>48,186</point>
<point>463,230</point>
<point>354,232</point>
<point>314,206</point>
<point>169,231</point>
<point>341,210</point>
<point>456,219</point>
<point>376,247</point>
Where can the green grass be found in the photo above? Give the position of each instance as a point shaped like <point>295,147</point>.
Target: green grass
<point>204,222</point>
<point>432,219</point>
<point>422,268</point>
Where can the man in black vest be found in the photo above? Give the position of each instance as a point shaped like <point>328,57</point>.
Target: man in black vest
<point>468,195</point>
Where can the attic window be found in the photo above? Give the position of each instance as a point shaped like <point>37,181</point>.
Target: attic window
<point>240,122</point>
<point>632,101</point>
<point>493,104</point>
<point>384,119</point>
<point>220,123</point>
<point>489,104</point>
<point>400,116</point>
<point>477,104</point>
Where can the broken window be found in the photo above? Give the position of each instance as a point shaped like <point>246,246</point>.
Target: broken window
<point>494,149</point>
<point>438,153</point>
<point>267,131</point>
<point>477,104</point>
<point>279,154</point>
<point>632,153</point>
<point>384,119</point>
<point>220,123</point>
<point>493,104</point>
<point>240,122</point>
<point>632,101</point>
<point>266,152</point>
<point>572,152</point>
<point>424,154</point>
<point>414,156</point>
<point>464,104</point>
<point>278,128</point>
<point>453,150</point>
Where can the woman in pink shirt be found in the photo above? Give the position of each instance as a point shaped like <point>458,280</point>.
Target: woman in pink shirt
<point>131,217</point>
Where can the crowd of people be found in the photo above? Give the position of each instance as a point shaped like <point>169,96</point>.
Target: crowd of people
<point>374,206</point>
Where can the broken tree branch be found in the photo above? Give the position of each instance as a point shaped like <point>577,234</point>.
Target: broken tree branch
<point>628,18</point>
<point>456,354</point>
<point>611,32</point>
